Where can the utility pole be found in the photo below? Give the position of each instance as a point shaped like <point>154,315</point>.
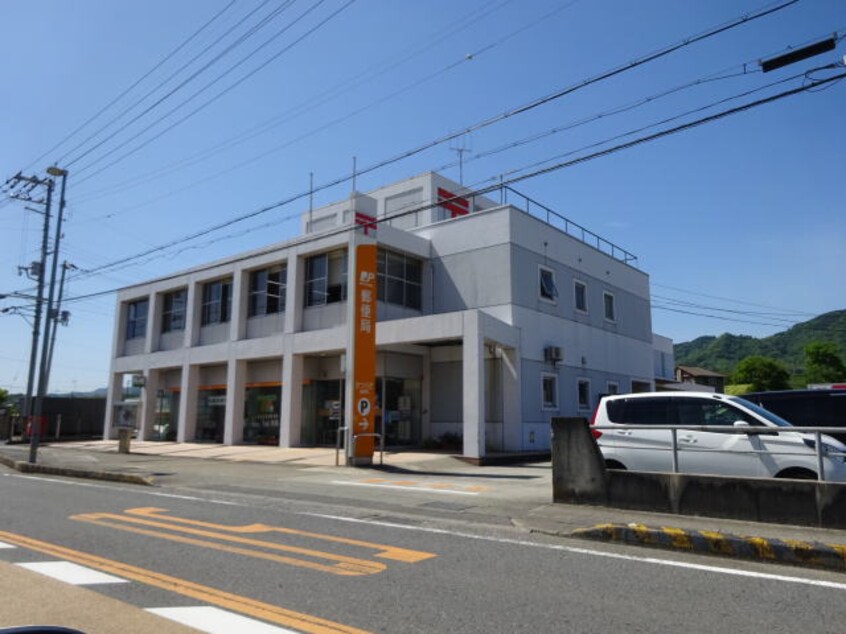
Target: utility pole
<point>58,316</point>
<point>37,270</point>
<point>44,370</point>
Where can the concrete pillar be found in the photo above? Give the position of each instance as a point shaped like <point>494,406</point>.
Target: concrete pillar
<point>188,403</point>
<point>512,414</point>
<point>113,397</point>
<point>294,293</point>
<point>193,311</point>
<point>233,422</point>
<point>290,412</point>
<point>578,470</point>
<point>149,402</point>
<point>473,365</point>
<point>426,396</point>
<point>240,297</point>
<point>154,323</point>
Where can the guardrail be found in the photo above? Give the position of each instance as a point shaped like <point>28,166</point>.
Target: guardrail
<point>817,432</point>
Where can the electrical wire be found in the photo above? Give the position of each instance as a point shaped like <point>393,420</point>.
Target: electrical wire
<point>138,81</point>
<point>514,179</point>
<point>524,108</point>
<point>328,95</point>
<point>207,103</point>
<point>231,47</point>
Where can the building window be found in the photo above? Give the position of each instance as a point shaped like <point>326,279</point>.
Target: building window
<point>548,290</point>
<point>136,319</point>
<point>399,279</point>
<point>610,308</point>
<point>584,393</point>
<point>580,296</point>
<point>326,278</point>
<point>217,302</point>
<point>267,291</point>
<point>549,391</point>
<point>612,387</point>
<point>173,310</point>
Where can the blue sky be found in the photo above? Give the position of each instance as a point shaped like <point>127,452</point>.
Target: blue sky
<point>740,223</point>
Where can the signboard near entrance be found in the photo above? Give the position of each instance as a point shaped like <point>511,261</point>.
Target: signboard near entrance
<point>364,352</point>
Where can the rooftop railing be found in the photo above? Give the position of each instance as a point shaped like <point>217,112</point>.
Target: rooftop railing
<point>573,229</point>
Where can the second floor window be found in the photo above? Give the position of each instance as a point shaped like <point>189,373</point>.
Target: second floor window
<point>136,319</point>
<point>326,278</point>
<point>610,308</point>
<point>399,279</point>
<point>173,310</point>
<point>548,290</point>
<point>267,291</point>
<point>217,302</point>
<point>580,296</point>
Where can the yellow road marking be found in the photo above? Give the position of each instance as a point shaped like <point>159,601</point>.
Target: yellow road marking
<point>383,551</point>
<point>345,566</point>
<point>244,605</point>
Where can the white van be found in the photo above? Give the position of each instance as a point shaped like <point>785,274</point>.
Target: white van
<point>780,452</point>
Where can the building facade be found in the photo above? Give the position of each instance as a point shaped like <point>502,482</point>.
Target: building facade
<point>494,314</point>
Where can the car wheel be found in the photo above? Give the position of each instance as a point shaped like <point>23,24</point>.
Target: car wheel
<point>797,473</point>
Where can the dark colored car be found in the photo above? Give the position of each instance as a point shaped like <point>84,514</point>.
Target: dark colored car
<point>806,408</point>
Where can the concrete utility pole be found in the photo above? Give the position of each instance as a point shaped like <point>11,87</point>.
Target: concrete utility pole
<point>44,370</point>
<point>37,270</point>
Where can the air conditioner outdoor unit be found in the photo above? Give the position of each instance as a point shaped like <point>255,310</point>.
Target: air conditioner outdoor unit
<point>552,354</point>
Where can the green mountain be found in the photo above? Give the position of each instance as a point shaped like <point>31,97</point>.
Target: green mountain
<point>722,353</point>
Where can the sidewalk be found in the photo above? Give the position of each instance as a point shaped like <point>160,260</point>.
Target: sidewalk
<point>517,493</point>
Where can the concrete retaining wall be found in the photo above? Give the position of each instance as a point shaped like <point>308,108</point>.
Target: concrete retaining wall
<point>579,476</point>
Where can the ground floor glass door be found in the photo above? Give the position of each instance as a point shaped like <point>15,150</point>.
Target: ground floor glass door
<point>211,414</point>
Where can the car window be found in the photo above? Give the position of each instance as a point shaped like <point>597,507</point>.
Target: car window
<point>717,413</point>
<point>646,411</point>
<point>697,411</point>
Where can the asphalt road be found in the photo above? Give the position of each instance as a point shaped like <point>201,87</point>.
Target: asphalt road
<point>319,554</point>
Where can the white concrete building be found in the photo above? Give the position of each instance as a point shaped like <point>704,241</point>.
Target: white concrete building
<point>494,314</point>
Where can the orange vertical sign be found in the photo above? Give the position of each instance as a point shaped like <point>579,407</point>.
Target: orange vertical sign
<point>364,350</point>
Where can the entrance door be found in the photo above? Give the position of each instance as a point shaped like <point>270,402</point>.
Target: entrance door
<point>211,414</point>
<point>323,412</point>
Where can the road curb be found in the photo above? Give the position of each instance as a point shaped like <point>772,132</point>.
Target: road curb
<point>793,552</point>
<point>112,476</point>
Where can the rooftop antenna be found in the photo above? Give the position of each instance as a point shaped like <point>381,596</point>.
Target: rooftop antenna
<point>460,151</point>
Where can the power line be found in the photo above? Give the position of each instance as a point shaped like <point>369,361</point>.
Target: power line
<point>744,19</point>
<point>727,299</point>
<point>239,41</point>
<point>325,97</point>
<point>218,95</point>
<point>524,108</point>
<point>485,190</point>
<point>132,87</point>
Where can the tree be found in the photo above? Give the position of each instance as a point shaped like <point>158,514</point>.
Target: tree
<point>762,373</point>
<point>823,364</point>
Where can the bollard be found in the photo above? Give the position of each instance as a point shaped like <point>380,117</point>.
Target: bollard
<point>124,437</point>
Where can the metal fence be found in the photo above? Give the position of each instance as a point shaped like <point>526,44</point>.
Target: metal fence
<point>819,447</point>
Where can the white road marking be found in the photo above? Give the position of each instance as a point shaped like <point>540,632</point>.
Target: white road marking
<point>71,573</point>
<point>216,621</point>
<point>596,553</point>
<point>388,485</point>
<point>134,490</point>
